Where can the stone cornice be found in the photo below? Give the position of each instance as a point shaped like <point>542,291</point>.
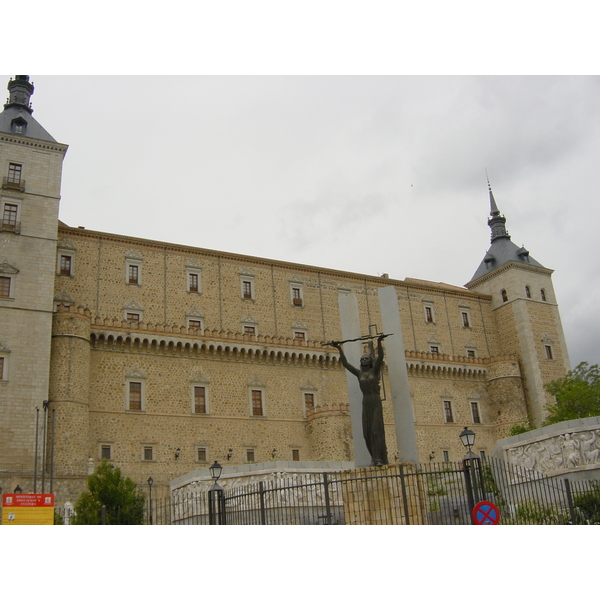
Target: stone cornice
<point>42,144</point>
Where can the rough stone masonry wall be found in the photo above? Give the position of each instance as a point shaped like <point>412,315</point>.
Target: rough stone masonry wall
<point>169,359</point>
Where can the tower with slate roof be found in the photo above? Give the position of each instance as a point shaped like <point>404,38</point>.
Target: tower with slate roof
<point>525,311</point>
<point>30,167</point>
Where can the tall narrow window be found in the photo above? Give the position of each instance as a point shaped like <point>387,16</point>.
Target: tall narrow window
<point>429,314</point>
<point>504,296</point>
<point>543,294</point>
<point>445,455</point>
<point>475,412</point>
<point>133,274</point>
<point>201,454</point>
<point>148,453</point>
<point>193,282</point>
<point>5,287</point>
<point>200,399</point>
<point>295,454</point>
<point>65,264</point>
<point>250,455</point>
<point>297,296</point>
<point>309,400</point>
<point>257,403</point>
<point>448,411</point>
<point>527,291</point>
<point>247,290</point>
<point>9,216</point>
<point>465,319</point>
<point>14,173</point>
<point>549,354</point>
<point>135,395</point>
<point>1,368</point>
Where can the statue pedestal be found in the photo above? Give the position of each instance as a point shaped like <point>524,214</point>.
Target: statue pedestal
<point>388,495</point>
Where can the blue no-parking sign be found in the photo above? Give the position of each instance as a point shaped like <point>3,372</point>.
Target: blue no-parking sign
<point>486,513</point>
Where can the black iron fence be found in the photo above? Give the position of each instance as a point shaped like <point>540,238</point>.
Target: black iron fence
<point>429,494</point>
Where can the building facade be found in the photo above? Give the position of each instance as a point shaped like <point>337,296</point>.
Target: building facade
<point>162,358</point>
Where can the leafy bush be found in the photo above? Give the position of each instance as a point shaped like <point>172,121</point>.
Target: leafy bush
<point>124,502</point>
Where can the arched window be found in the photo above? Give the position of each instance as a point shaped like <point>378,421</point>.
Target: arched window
<point>504,296</point>
<point>543,294</point>
<point>527,291</point>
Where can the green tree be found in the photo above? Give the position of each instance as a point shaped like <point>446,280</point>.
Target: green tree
<point>577,394</point>
<point>123,500</point>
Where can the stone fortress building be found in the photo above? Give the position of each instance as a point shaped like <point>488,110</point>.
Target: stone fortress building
<point>163,358</point>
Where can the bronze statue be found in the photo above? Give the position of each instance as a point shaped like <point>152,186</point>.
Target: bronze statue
<point>368,376</point>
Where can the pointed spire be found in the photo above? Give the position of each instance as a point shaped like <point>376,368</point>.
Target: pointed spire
<point>493,207</point>
<point>496,222</point>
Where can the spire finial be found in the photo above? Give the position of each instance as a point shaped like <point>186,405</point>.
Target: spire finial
<point>493,207</point>
<point>21,90</point>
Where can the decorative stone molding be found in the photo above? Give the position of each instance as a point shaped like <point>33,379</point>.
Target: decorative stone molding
<point>558,453</point>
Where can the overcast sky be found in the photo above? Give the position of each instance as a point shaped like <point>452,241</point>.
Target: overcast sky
<point>365,174</point>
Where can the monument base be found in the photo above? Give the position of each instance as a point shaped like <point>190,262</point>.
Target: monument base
<point>387,495</point>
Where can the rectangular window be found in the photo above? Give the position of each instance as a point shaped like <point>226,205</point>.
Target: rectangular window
<point>14,173</point>
<point>193,324</point>
<point>465,319</point>
<point>296,296</point>
<point>257,403</point>
<point>199,400</point>
<point>448,411</point>
<point>247,290</point>
<point>135,395</point>
<point>5,287</point>
<point>475,412</point>
<point>132,318</point>
<point>1,368</point>
<point>249,330</point>
<point>295,454</point>
<point>105,453</point>
<point>434,349</point>
<point>193,282</point>
<point>250,455</point>
<point>445,456</point>
<point>549,354</point>
<point>9,216</point>
<point>65,265</point>
<point>148,453</point>
<point>201,454</point>
<point>429,314</point>
<point>133,273</point>
<point>471,353</point>
<point>309,400</point>
<point>299,335</point>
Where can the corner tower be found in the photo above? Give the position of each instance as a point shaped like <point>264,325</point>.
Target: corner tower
<point>525,311</point>
<point>31,166</point>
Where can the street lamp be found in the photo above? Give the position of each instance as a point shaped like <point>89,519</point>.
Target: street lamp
<point>215,471</point>
<point>150,482</point>
<point>18,490</point>
<point>472,471</point>
<point>467,437</point>
<point>216,497</point>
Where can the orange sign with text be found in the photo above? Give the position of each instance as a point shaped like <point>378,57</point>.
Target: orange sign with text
<point>27,509</point>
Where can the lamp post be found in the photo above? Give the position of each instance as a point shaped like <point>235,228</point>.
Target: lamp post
<point>472,470</point>
<point>18,490</point>
<point>216,497</point>
<point>150,482</point>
